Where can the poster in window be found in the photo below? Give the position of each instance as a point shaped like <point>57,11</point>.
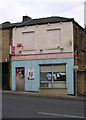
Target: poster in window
<point>59,76</point>
<point>30,74</point>
<point>49,76</point>
<point>20,72</point>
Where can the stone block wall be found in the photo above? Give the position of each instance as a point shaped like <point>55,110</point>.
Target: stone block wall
<point>5,44</point>
<point>80,57</point>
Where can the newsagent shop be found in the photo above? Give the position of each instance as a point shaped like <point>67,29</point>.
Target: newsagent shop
<point>47,71</point>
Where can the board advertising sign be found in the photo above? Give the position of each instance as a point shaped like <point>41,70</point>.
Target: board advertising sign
<point>30,74</point>
<point>12,50</point>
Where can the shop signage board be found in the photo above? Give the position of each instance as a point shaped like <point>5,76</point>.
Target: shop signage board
<point>12,50</point>
<point>31,74</point>
<point>19,45</point>
<point>46,56</point>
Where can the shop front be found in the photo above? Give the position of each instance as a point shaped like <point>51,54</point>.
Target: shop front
<point>35,72</point>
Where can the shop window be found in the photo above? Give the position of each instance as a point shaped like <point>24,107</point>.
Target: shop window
<point>53,76</point>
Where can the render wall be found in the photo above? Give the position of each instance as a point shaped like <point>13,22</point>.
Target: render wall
<point>41,38</point>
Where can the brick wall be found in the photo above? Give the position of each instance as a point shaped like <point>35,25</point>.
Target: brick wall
<point>80,57</point>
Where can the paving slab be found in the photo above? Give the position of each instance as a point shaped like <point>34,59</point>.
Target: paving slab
<point>38,94</point>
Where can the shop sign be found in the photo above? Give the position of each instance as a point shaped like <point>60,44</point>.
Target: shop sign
<point>19,45</point>
<point>30,74</point>
<point>12,50</point>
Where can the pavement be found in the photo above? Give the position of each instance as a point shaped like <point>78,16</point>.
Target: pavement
<point>38,94</point>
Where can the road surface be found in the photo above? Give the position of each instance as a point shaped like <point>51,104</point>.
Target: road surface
<point>14,106</point>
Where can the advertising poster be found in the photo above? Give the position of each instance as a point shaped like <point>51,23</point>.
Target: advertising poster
<point>20,72</point>
<point>49,76</point>
<point>30,74</point>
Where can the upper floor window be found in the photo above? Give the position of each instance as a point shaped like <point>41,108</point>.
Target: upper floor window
<point>54,38</point>
<point>28,40</point>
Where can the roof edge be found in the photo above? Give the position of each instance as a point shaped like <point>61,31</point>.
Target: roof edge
<point>22,24</point>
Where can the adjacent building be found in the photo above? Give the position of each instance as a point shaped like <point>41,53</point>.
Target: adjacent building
<point>49,56</point>
<point>5,61</point>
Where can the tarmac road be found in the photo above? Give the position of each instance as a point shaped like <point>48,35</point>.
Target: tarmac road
<point>15,106</point>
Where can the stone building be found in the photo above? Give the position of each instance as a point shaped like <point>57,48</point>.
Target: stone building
<point>6,41</point>
<point>80,57</point>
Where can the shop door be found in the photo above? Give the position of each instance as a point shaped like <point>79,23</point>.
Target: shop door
<point>19,78</point>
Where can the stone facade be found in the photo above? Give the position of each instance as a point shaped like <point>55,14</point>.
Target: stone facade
<point>6,65</point>
<point>5,44</point>
<point>80,57</point>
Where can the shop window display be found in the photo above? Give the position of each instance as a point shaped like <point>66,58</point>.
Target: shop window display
<point>51,75</point>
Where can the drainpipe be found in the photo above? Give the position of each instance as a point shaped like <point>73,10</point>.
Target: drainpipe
<point>75,70</point>
<point>76,82</point>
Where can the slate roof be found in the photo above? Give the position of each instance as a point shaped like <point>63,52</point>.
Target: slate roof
<point>39,21</point>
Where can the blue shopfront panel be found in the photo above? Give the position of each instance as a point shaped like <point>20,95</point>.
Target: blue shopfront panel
<point>34,85</point>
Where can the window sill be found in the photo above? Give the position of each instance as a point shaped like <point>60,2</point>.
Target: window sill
<point>58,48</point>
<point>62,82</point>
<point>29,50</point>
<point>51,88</point>
<point>51,48</point>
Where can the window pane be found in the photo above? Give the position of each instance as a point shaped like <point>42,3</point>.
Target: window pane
<point>59,72</point>
<point>59,76</point>
<point>46,69</point>
<point>45,76</point>
<point>59,68</point>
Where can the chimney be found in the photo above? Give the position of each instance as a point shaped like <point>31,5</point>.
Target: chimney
<point>26,18</point>
<point>6,24</point>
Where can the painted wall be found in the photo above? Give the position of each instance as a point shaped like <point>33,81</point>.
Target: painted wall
<point>34,85</point>
<point>41,38</point>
